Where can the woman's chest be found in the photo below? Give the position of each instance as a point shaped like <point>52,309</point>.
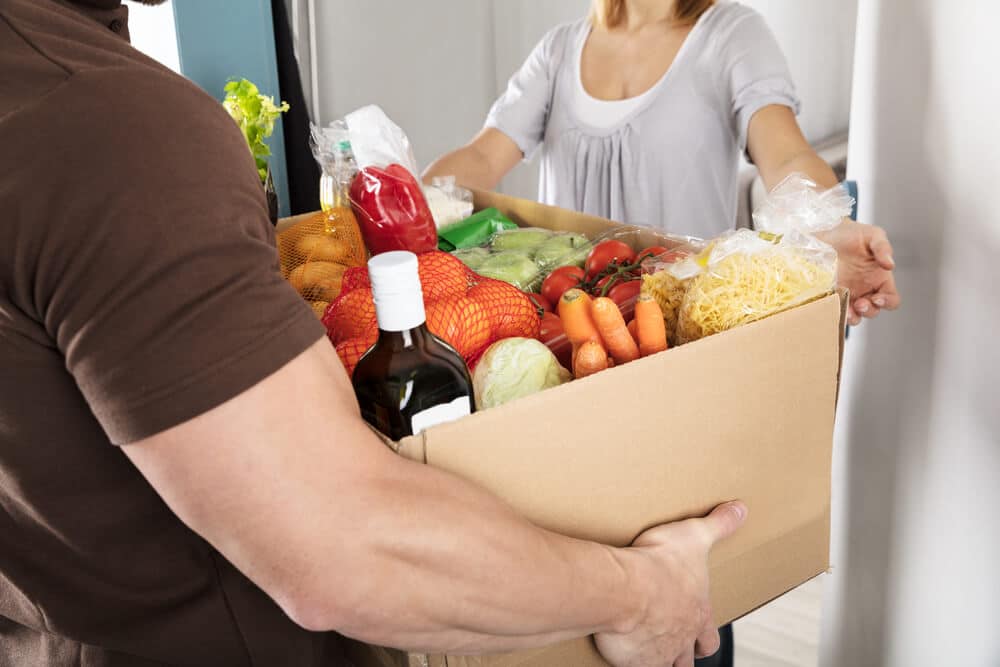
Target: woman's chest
<point>684,113</point>
<point>613,67</point>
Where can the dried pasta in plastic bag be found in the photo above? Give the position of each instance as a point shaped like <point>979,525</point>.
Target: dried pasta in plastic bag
<point>745,275</point>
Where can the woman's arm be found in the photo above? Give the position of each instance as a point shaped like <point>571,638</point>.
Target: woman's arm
<point>778,148</point>
<point>480,164</point>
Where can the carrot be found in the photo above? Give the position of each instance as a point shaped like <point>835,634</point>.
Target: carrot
<point>574,311</point>
<point>633,328</point>
<point>651,327</point>
<point>590,358</point>
<point>614,333</point>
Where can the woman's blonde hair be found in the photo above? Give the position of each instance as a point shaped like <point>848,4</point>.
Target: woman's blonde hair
<point>610,13</point>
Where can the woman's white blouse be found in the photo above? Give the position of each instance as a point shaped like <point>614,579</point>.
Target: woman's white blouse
<point>671,159</point>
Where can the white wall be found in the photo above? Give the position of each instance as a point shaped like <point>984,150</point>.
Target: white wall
<point>154,33</point>
<point>818,40</point>
<point>918,582</point>
<point>436,66</point>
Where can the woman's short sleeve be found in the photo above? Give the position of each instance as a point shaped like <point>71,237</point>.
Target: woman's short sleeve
<point>757,72</point>
<point>522,111</point>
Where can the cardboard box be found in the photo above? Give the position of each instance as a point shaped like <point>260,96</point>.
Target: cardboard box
<point>745,414</point>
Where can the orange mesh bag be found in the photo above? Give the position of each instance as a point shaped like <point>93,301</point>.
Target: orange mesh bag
<point>465,310</point>
<point>316,253</point>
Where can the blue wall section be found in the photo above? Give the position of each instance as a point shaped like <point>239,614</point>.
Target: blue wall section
<point>219,40</point>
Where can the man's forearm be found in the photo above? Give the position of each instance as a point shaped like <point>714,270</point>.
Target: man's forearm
<point>291,486</point>
<point>447,567</point>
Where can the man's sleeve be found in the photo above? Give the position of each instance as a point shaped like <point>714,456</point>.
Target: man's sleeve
<point>158,277</point>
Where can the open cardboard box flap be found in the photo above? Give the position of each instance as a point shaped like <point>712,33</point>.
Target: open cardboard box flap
<point>748,414</point>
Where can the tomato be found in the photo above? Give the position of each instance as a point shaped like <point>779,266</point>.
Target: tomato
<point>674,256</point>
<point>625,295</point>
<point>541,302</point>
<point>560,280</point>
<point>552,334</point>
<point>599,287</point>
<point>653,251</point>
<point>606,252</point>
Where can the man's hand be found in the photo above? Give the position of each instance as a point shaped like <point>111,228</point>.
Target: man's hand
<point>672,561</point>
<point>865,268</point>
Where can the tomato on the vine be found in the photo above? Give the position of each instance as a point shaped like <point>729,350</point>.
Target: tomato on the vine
<point>540,302</point>
<point>601,284</point>
<point>625,295</point>
<point>562,279</point>
<point>606,252</point>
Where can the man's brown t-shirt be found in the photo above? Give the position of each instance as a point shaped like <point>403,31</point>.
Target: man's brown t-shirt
<point>138,289</point>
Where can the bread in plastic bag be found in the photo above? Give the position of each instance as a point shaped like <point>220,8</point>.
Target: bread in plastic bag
<point>745,275</point>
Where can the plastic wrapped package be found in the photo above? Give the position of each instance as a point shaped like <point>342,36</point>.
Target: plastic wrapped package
<point>475,230</point>
<point>747,275</point>
<point>449,203</point>
<point>392,211</point>
<point>521,256</point>
<point>387,200</point>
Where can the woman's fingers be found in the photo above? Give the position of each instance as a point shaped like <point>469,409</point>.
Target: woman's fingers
<point>880,248</point>
<point>852,316</point>
<point>887,296</point>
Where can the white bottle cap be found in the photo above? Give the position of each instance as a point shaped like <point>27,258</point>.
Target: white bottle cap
<point>399,301</point>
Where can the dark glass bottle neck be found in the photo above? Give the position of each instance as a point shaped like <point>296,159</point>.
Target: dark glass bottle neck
<point>403,340</point>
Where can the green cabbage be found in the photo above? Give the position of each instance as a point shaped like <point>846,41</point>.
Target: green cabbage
<point>513,368</point>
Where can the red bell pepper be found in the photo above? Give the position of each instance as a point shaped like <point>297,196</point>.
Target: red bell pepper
<point>392,211</point>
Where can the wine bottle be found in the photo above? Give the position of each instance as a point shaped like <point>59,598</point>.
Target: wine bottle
<point>410,379</point>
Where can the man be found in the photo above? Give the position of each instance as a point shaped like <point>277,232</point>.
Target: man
<point>184,475</point>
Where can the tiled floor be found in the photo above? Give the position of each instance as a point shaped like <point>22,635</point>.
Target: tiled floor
<point>784,633</point>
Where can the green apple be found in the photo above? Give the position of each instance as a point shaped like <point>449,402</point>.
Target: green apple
<point>561,249</point>
<point>472,257</point>
<point>515,268</point>
<point>520,239</point>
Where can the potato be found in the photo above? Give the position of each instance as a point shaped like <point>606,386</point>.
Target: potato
<point>323,248</point>
<point>319,307</point>
<point>320,281</point>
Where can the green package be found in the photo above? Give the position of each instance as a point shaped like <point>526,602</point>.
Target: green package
<point>474,231</point>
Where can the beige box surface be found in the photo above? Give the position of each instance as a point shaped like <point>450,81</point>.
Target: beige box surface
<point>745,414</point>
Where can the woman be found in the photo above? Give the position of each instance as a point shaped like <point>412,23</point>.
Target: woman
<point>642,111</point>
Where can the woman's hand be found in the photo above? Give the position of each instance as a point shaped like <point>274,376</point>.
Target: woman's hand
<point>865,268</point>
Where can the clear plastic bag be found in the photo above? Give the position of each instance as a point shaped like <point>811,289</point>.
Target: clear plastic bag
<point>377,141</point>
<point>745,275</point>
<point>525,255</point>
<point>386,196</point>
<point>332,150</point>
<point>798,204</point>
<point>449,203</point>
